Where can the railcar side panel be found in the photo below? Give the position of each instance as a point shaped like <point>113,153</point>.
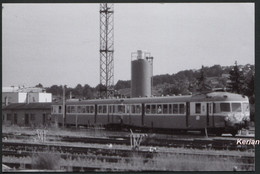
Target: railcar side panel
<point>135,121</point>
<point>86,120</point>
<point>165,122</point>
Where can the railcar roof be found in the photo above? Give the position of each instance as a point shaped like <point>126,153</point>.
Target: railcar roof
<point>132,100</point>
<point>211,96</point>
<point>219,96</point>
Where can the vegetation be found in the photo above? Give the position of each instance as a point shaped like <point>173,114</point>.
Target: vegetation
<point>46,161</point>
<point>135,162</point>
<point>183,82</point>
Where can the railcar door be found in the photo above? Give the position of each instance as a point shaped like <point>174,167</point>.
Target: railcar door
<point>187,114</point>
<point>95,113</point>
<point>208,112</point>
<point>210,116</point>
<point>143,111</point>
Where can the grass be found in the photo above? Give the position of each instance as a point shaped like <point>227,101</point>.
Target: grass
<point>136,162</point>
<point>160,162</point>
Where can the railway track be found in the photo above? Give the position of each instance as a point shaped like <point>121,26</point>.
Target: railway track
<point>195,142</point>
<point>109,155</point>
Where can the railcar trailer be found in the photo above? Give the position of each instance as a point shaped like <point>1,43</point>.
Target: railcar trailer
<point>219,112</point>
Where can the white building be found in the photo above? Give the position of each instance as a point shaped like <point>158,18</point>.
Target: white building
<point>25,95</point>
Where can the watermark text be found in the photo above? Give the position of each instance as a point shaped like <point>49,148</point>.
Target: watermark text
<point>253,142</point>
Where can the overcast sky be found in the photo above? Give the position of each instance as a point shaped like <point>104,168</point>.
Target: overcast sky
<point>59,43</point>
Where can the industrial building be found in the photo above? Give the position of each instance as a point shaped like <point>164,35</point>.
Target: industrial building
<point>23,114</point>
<point>24,95</point>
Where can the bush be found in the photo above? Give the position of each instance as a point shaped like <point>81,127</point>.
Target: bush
<point>46,161</point>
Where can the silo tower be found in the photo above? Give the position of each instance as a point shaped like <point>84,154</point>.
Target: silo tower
<point>142,73</point>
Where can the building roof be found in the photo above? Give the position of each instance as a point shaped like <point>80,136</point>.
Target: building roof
<point>22,89</point>
<point>25,106</point>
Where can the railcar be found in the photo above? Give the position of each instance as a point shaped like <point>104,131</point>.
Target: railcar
<point>218,112</point>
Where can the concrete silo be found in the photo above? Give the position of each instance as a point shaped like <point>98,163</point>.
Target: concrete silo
<point>141,76</point>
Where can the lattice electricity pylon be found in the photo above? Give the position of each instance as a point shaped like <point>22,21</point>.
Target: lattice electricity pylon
<point>106,50</point>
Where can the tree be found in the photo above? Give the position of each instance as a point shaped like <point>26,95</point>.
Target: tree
<point>88,92</point>
<point>55,90</point>
<point>237,79</point>
<point>78,91</point>
<point>39,86</point>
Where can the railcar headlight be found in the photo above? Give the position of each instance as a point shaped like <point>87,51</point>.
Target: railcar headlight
<point>246,118</point>
<point>226,118</point>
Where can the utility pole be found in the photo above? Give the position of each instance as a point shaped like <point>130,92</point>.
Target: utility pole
<point>106,50</point>
<point>63,106</point>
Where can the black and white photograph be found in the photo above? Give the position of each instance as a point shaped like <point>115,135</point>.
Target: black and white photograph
<point>128,87</point>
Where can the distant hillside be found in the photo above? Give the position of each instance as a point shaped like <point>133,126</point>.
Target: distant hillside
<point>184,82</point>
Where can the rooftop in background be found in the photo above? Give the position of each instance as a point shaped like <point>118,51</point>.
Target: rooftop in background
<point>22,89</point>
<point>18,106</point>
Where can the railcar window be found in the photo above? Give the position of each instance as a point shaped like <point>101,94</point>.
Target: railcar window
<point>224,107</point>
<point>114,108</point>
<point>182,108</point>
<point>68,109</point>
<point>214,108</point>
<point>236,107</point>
<point>197,108</point>
<point>91,108</point>
<point>133,109</point>
<point>138,109</point>
<point>99,109</point>
<point>165,109</point>
<point>110,109</point>
<point>148,109</point>
<point>175,108</point>
<point>60,109</point>
<point>170,109</point>
<point>84,109</point>
<point>245,107</point>
<point>104,109</point>
<point>153,109</point>
<point>159,109</point>
<point>73,109</point>
<point>87,109</point>
<point>127,108</point>
<point>79,109</point>
<point>121,108</point>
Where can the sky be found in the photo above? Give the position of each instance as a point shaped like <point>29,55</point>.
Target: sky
<point>58,44</point>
